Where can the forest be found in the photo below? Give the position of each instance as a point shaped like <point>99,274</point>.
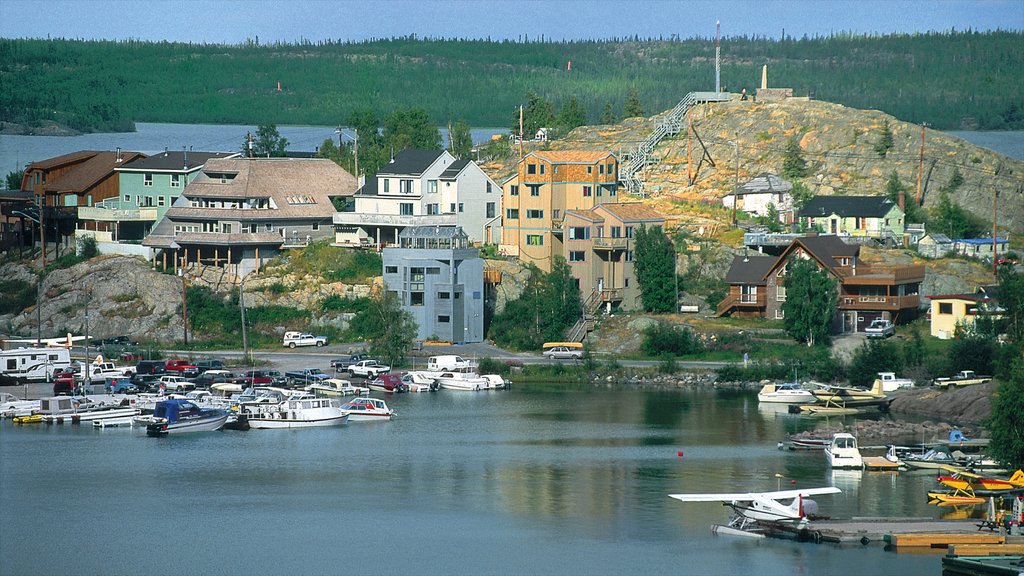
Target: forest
<point>951,80</point>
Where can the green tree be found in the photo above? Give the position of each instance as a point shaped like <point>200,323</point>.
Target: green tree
<point>572,115</point>
<point>633,107</point>
<point>956,180</point>
<point>328,149</point>
<point>793,163</point>
<point>973,352</point>
<point>893,187</point>
<point>913,351</point>
<point>654,264</point>
<point>1007,420</point>
<point>411,128</point>
<point>954,221</point>
<point>461,140</point>
<point>664,338</point>
<point>771,219</point>
<point>548,306</point>
<point>268,142</point>
<point>811,298</point>
<point>608,115</point>
<point>801,194</point>
<point>884,143</point>
<point>390,329</point>
<point>872,357</point>
<point>538,113</point>
<point>372,153</point>
<point>14,178</point>
<point>1011,299</point>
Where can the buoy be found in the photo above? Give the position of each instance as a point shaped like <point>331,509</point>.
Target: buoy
<point>793,482</point>
<point>680,453</point>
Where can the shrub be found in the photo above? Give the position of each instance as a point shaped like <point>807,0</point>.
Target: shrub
<point>489,365</point>
<point>335,303</point>
<point>664,338</point>
<point>18,295</point>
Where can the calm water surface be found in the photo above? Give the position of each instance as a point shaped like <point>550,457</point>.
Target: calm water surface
<point>530,481</point>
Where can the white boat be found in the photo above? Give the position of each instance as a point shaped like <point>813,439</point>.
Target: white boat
<point>335,388</point>
<point>123,422</point>
<point>787,393</point>
<point>842,452</point>
<point>308,412</point>
<point>366,409</point>
<point>495,382</point>
<point>11,406</point>
<point>419,381</point>
<point>461,381</point>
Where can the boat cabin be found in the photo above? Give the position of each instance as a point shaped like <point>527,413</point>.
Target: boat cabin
<point>174,410</point>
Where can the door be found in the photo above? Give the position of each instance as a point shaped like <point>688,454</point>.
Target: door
<point>864,319</point>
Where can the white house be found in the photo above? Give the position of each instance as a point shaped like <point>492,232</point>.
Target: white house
<point>422,188</point>
<point>755,196</point>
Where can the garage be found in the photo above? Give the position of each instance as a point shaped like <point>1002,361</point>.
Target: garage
<point>865,318</point>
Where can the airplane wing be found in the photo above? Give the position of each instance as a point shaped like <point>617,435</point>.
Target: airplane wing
<point>749,496</point>
<point>53,342</point>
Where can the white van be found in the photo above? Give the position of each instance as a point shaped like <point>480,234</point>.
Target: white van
<point>449,362</point>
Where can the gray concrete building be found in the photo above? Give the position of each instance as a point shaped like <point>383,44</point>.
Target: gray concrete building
<point>439,279</point>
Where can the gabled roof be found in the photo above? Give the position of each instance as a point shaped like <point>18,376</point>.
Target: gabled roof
<point>571,156</point>
<point>412,162</point>
<point>847,206</point>
<point>749,269</point>
<point>72,157</point>
<point>175,161</point>
<point>764,183</point>
<point>586,214</point>
<point>84,176</point>
<point>938,238</point>
<point>452,171</point>
<point>632,212</point>
<point>824,249</point>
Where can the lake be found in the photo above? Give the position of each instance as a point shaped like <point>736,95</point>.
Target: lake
<point>535,480</point>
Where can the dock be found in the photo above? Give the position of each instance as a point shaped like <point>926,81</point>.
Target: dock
<point>905,534</point>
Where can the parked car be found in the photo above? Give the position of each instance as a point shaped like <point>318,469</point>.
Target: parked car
<point>121,386</point>
<point>176,384</point>
<point>880,329</point>
<point>368,369</point>
<point>115,341</point>
<point>212,364</point>
<point>293,339</point>
<point>563,353</point>
<point>151,367</point>
<point>305,377</point>
<point>182,367</point>
<point>256,378</point>
<point>342,364</point>
<point>211,377</point>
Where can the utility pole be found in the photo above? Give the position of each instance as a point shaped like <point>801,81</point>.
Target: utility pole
<point>245,334</point>
<point>520,131</point>
<point>42,227</point>
<point>995,237</point>
<point>718,57</point>
<point>184,301</point>
<point>920,168</point>
<point>736,148</point>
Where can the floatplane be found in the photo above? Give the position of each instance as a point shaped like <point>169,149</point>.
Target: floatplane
<point>844,400</point>
<point>759,513</point>
<point>61,341</point>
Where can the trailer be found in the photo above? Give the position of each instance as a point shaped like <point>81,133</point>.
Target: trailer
<point>22,365</point>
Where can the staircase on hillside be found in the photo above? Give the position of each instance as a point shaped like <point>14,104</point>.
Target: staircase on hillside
<point>585,324</point>
<point>671,124</point>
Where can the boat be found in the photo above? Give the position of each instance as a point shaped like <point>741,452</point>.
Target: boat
<point>451,380</point>
<point>305,412</point>
<point>496,382</point>
<point>227,388</point>
<point>388,383</point>
<point>30,419</point>
<point>842,452</point>
<point>888,463</point>
<point>366,409</point>
<point>180,416</point>
<point>122,422</point>
<point>336,388</point>
<point>787,393</point>
<point>809,443</point>
<point>418,381</point>
<point>11,406</point>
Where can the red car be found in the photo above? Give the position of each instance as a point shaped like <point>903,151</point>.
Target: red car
<point>256,378</point>
<point>183,367</point>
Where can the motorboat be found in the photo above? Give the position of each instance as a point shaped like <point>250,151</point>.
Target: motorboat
<point>842,452</point>
<point>77,409</point>
<point>496,382</point>
<point>388,383</point>
<point>787,393</point>
<point>419,381</point>
<point>11,406</point>
<point>933,459</point>
<point>336,388</point>
<point>180,416</point>
<point>460,381</point>
<point>366,409</point>
<point>303,412</point>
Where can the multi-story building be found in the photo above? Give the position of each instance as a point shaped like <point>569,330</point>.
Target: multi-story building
<point>546,185</point>
<point>422,188</point>
<point>439,279</point>
<point>866,291</point>
<point>148,188</point>
<point>869,216</point>
<point>240,212</point>
<point>598,244</point>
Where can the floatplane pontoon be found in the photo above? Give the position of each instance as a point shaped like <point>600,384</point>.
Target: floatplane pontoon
<point>758,513</point>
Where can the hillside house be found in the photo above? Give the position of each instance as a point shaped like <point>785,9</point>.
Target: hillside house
<point>949,311</point>
<point>866,291</point>
<point>874,217</point>
<point>934,245</point>
<point>240,212</point>
<point>422,188</point>
<point>545,186</point>
<point>982,248</point>
<point>757,194</point>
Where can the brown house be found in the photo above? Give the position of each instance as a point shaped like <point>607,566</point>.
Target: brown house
<point>866,291</point>
<point>77,179</point>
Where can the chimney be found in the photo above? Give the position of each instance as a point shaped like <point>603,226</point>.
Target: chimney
<point>185,154</point>
<point>118,157</point>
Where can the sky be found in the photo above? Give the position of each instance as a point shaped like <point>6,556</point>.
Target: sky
<point>234,21</point>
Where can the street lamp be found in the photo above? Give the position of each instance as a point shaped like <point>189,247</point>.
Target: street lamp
<point>245,335</point>
<point>341,134</point>
<point>184,302</point>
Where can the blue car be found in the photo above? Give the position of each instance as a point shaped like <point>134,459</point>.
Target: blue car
<point>121,386</point>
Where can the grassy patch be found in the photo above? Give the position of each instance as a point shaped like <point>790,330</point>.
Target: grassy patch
<point>331,263</point>
<point>18,295</point>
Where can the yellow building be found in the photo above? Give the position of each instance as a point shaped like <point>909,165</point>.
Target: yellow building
<point>951,310</point>
<point>545,185</point>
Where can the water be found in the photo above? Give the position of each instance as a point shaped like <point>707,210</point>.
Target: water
<point>530,481</point>
<point>151,138</point>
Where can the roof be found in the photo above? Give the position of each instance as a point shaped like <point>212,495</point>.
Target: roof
<point>432,232</point>
<point>847,206</point>
<point>764,183</point>
<point>61,160</point>
<point>369,188</point>
<point>632,212</point>
<point>89,173</point>
<point>749,269</point>
<point>218,238</point>
<point>572,156</point>
<point>452,171</point>
<point>823,248</point>
<point>411,161</point>
<point>586,214</point>
<point>938,238</point>
<point>980,241</point>
<point>175,161</point>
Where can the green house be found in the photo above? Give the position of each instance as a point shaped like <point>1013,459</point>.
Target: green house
<point>867,216</point>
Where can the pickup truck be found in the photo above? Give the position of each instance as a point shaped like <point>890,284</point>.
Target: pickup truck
<point>880,329</point>
<point>175,384</point>
<point>343,364</point>
<point>369,369</point>
<point>963,378</point>
<point>100,371</point>
<point>293,339</point>
<point>182,368</point>
<point>305,377</point>
<point>891,383</point>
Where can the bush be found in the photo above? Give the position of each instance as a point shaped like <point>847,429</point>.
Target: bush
<point>664,338</point>
<point>872,357</point>
<point>489,365</point>
<point>335,303</point>
<point>18,295</point>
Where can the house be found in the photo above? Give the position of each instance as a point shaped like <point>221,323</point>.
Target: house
<point>756,195</point>
<point>949,311</point>
<point>545,186</point>
<point>422,188</point>
<point>866,291</point>
<point>18,219</point>
<point>934,245</point>
<point>598,245</point>
<point>866,216</point>
<point>439,279</point>
<point>980,247</point>
<point>148,187</point>
<point>240,212</point>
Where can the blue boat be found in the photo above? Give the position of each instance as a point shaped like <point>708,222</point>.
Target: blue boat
<point>178,416</point>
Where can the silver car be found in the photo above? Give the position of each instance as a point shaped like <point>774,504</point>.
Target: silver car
<point>563,353</point>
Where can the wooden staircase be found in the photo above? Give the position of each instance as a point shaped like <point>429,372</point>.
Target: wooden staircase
<point>585,324</point>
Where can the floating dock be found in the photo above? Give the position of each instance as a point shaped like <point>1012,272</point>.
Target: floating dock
<point>906,534</point>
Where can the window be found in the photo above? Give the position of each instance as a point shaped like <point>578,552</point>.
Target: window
<point>513,190</point>
<point>175,180</point>
<point>451,209</point>
<point>489,187</point>
<point>225,228</point>
<point>531,168</point>
<point>945,307</point>
<point>512,213</point>
<point>416,298</point>
<point>616,232</point>
<point>535,190</point>
<point>588,191</point>
<point>443,295</point>
<point>253,228</point>
<point>629,255</point>
<point>579,233</point>
<point>433,270</point>
<point>161,200</point>
<point>461,208</point>
<point>147,179</point>
<point>629,231</point>
<point>405,186</point>
<point>534,240</point>
<point>626,283</point>
<point>601,168</point>
<point>443,319</point>
<point>405,208</point>
<point>779,314</point>
<point>577,256</point>
<point>391,269</point>
<point>491,210</point>
<point>431,186</point>
<point>387,185</point>
<point>127,198</point>
<point>270,226</point>
<point>433,209</point>
<point>780,294</point>
<point>535,214</point>
<point>590,169</point>
<point>611,168</point>
<point>541,168</point>
<point>611,191</point>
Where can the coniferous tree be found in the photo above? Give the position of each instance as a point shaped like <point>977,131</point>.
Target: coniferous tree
<point>328,149</point>
<point>885,142</point>
<point>572,115</point>
<point>268,142</point>
<point>1007,420</point>
<point>654,263</point>
<point>14,179</point>
<point>608,116</point>
<point>633,107</point>
<point>811,298</point>
<point>793,163</point>
<point>393,329</point>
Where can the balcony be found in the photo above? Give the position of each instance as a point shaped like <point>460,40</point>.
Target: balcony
<point>101,214</point>
<point>362,219</point>
<point>612,295</point>
<point>889,303</point>
<point>881,275</point>
<point>610,243</point>
<point>747,302</point>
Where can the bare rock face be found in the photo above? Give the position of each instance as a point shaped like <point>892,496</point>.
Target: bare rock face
<point>514,277</point>
<point>972,404</point>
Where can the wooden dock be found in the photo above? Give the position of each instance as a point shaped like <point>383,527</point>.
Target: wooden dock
<point>881,530</point>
